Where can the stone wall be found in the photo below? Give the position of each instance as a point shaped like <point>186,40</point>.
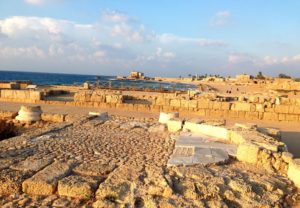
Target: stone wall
<point>20,95</point>
<point>251,107</point>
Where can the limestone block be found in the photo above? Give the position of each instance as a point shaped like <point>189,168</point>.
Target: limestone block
<point>240,106</point>
<point>225,106</point>
<point>53,117</point>
<point>282,109</point>
<point>114,98</point>
<point>184,103</point>
<point>193,104</point>
<point>45,181</point>
<point>77,187</point>
<point>10,181</point>
<point>203,103</point>
<point>100,115</point>
<point>165,117</point>
<point>97,97</point>
<point>210,130</point>
<point>191,125</point>
<point>32,164</point>
<point>175,103</point>
<point>294,171</point>
<point>121,191</point>
<point>174,125</point>
<point>248,152</point>
<point>94,169</point>
<point>29,113</point>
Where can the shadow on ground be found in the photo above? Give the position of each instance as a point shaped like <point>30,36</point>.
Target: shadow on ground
<point>292,140</point>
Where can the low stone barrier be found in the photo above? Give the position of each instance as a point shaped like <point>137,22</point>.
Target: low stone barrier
<point>20,95</point>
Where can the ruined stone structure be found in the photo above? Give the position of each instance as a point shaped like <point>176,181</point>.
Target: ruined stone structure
<point>29,114</point>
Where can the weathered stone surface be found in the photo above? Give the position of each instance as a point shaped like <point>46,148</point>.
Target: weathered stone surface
<point>174,125</point>
<point>29,113</point>
<point>294,171</point>
<point>191,125</point>
<point>32,164</point>
<point>10,181</point>
<point>248,152</point>
<point>165,117</point>
<point>45,181</point>
<point>211,130</point>
<point>121,192</point>
<point>94,169</point>
<point>77,187</point>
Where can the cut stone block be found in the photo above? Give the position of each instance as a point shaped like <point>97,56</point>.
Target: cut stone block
<point>165,117</point>
<point>32,164</point>
<point>11,180</point>
<point>248,152</point>
<point>210,130</point>
<point>77,187</point>
<point>45,181</point>
<point>191,125</point>
<point>122,192</point>
<point>94,169</point>
<point>100,115</point>
<point>174,125</point>
<point>294,171</point>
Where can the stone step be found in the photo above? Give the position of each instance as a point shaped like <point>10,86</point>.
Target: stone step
<point>45,181</point>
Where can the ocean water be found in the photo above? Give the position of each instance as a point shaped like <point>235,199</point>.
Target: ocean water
<point>75,79</point>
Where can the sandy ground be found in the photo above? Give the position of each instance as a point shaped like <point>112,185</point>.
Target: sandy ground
<point>290,131</point>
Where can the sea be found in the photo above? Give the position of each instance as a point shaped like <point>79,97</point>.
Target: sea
<point>41,78</point>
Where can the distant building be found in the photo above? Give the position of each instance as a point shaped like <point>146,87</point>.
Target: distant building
<point>136,75</point>
<point>243,77</point>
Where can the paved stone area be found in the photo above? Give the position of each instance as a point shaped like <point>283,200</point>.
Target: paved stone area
<point>122,162</point>
<point>191,149</point>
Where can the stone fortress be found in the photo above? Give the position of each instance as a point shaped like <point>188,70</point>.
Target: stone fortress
<point>101,160</point>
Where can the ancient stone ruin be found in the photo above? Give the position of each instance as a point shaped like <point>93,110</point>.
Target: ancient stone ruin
<point>100,160</point>
<point>29,114</point>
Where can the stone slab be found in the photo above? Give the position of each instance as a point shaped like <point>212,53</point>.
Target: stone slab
<point>45,181</point>
<point>77,187</point>
<point>32,164</point>
<point>94,169</point>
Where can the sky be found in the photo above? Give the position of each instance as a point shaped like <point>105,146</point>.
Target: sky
<point>157,37</point>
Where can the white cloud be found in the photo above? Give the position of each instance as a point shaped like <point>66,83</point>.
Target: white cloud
<point>220,18</point>
<point>27,52</point>
<point>168,38</point>
<point>34,2</point>
<point>114,16</point>
<point>100,54</point>
<point>270,60</point>
<point>238,58</point>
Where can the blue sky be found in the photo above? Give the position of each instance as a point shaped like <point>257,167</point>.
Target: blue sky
<point>166,37</point>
